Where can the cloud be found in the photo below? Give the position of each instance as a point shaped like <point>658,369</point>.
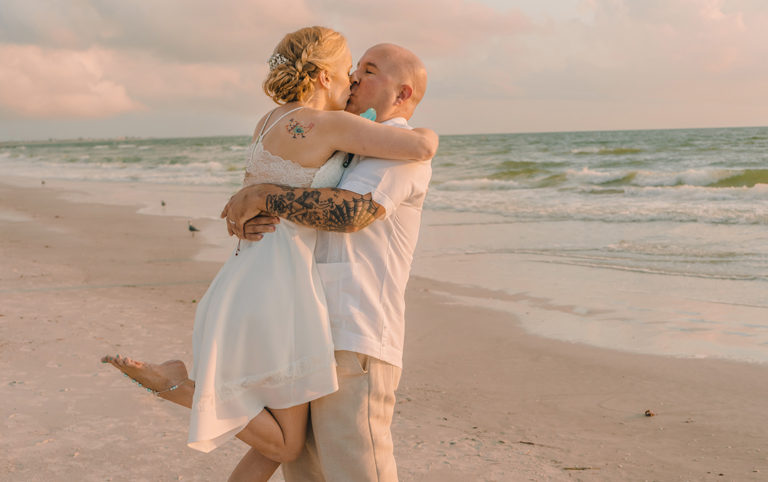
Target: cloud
<point>176,30</point>
<point>38,83</point>
<point>648,58</point>
<point>432,28</point>
<point>652,50</point>
<point>197,54</point>
<point>228,30</point>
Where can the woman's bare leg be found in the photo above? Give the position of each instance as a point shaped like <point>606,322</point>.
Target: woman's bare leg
<point>275,435</point>
<point>253,467</point>
<point>278,434</point>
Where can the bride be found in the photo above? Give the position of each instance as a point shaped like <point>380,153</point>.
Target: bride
<point>254,371</point>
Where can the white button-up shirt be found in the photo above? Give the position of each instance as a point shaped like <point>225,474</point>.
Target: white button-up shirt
<point>365,273</point>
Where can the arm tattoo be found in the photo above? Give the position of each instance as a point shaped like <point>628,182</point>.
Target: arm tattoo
<point>328,209</point>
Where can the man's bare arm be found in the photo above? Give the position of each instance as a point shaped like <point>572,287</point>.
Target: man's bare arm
<point>327,209</point>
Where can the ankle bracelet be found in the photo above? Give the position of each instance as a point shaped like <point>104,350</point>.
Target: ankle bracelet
<point>157,392</point>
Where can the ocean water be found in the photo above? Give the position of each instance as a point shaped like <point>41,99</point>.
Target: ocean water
<point>701,195</point>
<point>653,241</point>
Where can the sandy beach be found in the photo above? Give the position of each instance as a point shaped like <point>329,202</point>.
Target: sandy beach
<point>481,399</point>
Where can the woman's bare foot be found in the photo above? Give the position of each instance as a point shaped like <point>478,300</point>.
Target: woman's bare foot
<point>157,378</point>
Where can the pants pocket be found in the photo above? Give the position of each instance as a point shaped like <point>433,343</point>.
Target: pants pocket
<point>349,363</point>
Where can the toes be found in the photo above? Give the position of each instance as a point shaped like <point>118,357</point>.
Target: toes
<point>111,360</point>
<point>133,363</point>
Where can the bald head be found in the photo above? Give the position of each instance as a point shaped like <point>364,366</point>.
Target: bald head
<point>406,67</point>
<point>389,78</point>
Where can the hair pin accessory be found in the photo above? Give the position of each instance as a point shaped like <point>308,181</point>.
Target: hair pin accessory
<point>275,60</point>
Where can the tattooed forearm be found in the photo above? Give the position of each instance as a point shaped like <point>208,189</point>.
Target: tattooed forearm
<point>327,209</point>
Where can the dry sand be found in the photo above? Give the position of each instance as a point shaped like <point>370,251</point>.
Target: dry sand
<point>480,399</point>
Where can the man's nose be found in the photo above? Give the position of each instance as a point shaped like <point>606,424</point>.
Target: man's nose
<point>353,78</point>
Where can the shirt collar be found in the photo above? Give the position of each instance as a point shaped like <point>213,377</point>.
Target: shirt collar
<point>396,121</point>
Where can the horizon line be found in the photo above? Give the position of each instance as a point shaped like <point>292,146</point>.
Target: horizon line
<point>125,138</point>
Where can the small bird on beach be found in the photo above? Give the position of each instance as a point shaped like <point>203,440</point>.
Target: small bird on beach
<point>162,203</point>
<point>192,229</point>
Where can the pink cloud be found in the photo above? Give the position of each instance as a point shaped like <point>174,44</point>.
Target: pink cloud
<point>187,30</point>
<point>651,49</point>
<point>431,28</point>
<point>48,83</point>
<point>160,82</point>
<point>96,58</point>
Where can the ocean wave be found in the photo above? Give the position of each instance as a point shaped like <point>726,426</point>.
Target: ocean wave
<point>663,270</point>
<point>697,253</point>
<point>477,185</point>
<point>601,182</point>
<point>690,177</point>
<point>747,178</point>
<point>607,151</point>
<point>713,178</point>
<point>681,205</point>
<point>589,176</point>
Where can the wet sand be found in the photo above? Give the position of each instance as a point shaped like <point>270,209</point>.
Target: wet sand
<point>480,398</point>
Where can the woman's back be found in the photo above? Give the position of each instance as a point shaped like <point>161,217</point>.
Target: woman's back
<point>264,166</point>
<point>291,133</point>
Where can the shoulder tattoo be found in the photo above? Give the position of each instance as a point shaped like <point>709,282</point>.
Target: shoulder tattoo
<point>297,129</point>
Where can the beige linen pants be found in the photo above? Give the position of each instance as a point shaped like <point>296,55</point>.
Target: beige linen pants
<point>349,437</point>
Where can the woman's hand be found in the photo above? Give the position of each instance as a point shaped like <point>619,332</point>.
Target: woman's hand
<point>255,228</point>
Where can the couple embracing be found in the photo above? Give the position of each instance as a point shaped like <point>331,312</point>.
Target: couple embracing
<point>298,341</point>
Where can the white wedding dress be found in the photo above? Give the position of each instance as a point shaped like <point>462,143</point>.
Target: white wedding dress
<point>262,336</point>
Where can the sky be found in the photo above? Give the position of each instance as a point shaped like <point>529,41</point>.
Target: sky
<point>183,68</point>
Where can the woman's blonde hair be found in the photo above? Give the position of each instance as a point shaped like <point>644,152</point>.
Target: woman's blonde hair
<point>308,52</point>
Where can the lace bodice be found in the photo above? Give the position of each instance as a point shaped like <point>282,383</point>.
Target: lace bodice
<point>264,167</point>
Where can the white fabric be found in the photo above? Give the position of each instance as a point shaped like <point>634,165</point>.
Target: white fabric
<point>262,335</point>
<point>365,273</point>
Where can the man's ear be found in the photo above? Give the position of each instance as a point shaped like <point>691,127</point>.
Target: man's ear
<point>406,91</point>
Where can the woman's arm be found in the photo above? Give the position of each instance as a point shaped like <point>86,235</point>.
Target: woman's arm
<point>350,133</point>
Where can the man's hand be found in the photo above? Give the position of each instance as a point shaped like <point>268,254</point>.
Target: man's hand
<point>245,205</point>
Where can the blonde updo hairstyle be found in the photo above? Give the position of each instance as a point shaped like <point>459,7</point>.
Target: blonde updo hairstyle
<point>309,51</point>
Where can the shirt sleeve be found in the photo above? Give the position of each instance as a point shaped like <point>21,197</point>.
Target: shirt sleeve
<point>390,183</point>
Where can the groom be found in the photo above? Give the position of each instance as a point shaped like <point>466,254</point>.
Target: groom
<point>364,273</point>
